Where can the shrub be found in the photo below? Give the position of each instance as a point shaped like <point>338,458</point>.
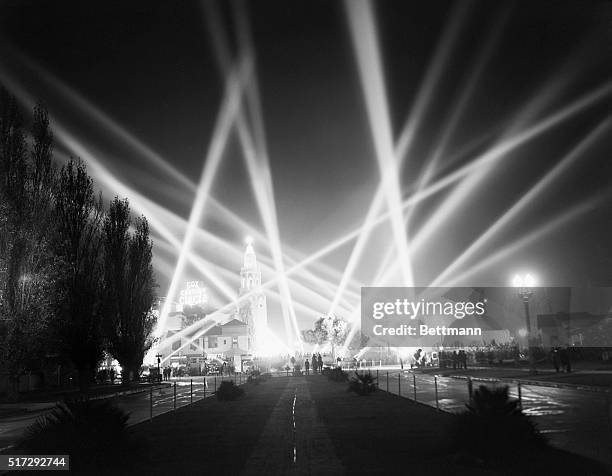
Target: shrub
<point>494,429</point>
<point>362,384</point>
<point>336,374</point>
<point>228,390</point>
<point>88,430</point>
<point>297,370</point>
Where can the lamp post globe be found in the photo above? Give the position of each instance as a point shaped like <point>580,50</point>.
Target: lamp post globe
<point>525,285</point>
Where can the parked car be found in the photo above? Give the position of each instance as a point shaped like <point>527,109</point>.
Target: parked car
<point>151,375</point>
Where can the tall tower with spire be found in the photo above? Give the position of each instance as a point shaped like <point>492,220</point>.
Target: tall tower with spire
<point>253,309</point>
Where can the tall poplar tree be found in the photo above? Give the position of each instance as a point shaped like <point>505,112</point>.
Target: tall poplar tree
<point>26,260</point>
<point>78,246</point>
<point>129,284</point>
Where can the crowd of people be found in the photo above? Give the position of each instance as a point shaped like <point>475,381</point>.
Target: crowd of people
<point>316,364</point>
<point>504,354</point>
<point>454,359</point>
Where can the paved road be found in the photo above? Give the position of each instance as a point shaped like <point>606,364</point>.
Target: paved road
<point>574,420</point>
<point>137,404</point>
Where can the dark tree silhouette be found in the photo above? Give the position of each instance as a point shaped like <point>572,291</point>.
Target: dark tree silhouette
<point>78,248</point>
<point>13,194</point>
<point>54,274</point>
<point>129,283</point>
<point>26,261</point>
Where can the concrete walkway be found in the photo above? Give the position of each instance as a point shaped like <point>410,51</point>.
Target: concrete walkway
<point>294,440</point>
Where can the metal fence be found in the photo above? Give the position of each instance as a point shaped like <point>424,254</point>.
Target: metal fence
<point>179,393</point>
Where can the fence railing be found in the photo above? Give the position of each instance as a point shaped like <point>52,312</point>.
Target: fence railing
<point>184,392</point>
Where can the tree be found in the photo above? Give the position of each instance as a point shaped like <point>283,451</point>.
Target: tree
<point>78,247</point>
<point>331,330</point>
<point>26,262</point>
<point>13,194</point>
<point>53,275</point>
<point>129,284</point>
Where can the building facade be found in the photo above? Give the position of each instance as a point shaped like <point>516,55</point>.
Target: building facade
<point>238,336</point>
<point>252,308</point>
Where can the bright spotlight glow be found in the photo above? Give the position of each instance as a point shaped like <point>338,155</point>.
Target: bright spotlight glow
<point>157,215</point>
<point>217,145</point>
<point>461,193</point>
<point>457,111</point>
<point>359,354</point>
<point>525,201</point>
<point>102,120</point>
<point>271,345</point>
<point>253,143</point>
<point>517,282</point>
<point>530,281</point>
<point>365,42</point>
<point>522,332</point>
<point>519,245</point>
<point>431,79</point>
<point>483,164</point>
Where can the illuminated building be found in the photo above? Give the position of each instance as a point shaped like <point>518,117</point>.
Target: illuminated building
<point>253,310</point>
<point>237,336</point>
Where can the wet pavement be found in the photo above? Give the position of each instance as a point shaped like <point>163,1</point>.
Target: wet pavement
<point>141,406</point>
<point>575,420</point>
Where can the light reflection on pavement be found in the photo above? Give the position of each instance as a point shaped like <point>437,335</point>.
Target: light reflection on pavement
<point>573,420</point>
<point>138,405</point>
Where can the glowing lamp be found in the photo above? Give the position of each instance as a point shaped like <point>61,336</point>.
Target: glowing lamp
<point>524,282</point>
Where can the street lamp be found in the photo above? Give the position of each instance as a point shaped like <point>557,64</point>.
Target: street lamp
<point>159,356</point>
<point>525,291</point>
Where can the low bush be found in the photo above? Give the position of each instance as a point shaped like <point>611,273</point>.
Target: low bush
<point>494,429</point>
<point>362,384</point>
<point>228,390</point>
<point>88,430</point>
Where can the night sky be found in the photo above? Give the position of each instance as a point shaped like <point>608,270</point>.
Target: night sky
<point>150,66</point>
